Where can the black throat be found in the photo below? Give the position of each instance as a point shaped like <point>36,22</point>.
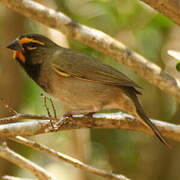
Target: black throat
<point>33,70</point>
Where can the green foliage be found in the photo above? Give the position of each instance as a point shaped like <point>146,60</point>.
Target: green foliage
<point>178,66</point>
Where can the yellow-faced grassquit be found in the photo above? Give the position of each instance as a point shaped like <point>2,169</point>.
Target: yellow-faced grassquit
<point>80,82</point>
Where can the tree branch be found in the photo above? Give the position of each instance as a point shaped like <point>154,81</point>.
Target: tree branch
<point>98,40</point>
<point>168,8</point>
<point>68,159</point>
<point>6,177</point>
<point>17,159</point>
<point>99,120</point>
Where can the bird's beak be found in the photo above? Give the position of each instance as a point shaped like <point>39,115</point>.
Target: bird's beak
<point>14,45</point>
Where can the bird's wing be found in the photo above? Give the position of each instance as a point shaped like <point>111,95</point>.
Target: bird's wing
<point>72,63</point>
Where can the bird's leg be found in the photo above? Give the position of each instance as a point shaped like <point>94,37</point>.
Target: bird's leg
<point>64,120</point>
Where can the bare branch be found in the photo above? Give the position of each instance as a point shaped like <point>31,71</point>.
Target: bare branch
<point>6,177</point>
<point>22,162</point>
<point>53,107</point>
<point>168,8</point>
<point>19,116</point>
<point>68,159</point>
<point>45,104</point>
<point>99,120</point>
<point>98,40</point>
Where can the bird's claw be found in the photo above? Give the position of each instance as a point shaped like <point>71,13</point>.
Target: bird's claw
<point>64,120</point>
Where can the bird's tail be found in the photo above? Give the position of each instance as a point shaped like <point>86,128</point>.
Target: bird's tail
<point>145,119</point>
<point>149,123</point>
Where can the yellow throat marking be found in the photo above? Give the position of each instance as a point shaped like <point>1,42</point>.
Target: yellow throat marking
<point>19,55</point>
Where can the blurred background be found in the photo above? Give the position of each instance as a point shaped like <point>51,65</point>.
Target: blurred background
<point>136,155</point>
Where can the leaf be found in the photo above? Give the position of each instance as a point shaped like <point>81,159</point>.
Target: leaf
<point>178,66</point>
<point>176,55</point>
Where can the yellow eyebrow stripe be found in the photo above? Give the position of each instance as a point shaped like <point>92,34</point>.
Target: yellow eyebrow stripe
<point>30,40</point>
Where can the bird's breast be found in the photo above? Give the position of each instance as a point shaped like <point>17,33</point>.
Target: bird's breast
<point>78,94</point>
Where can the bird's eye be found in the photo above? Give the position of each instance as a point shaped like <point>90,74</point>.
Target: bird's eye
<point>31,46</point>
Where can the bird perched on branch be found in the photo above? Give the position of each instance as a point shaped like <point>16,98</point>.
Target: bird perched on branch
<point>81,83</point>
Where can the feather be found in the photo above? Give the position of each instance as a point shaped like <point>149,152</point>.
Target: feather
<point>88,68</point>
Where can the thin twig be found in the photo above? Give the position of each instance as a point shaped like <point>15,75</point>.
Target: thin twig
<point>98,40</point>
<point>22,162</point>
<point>47,109</point>
<point>20,116</point>
<point>68,159</point>
<point>45,105</point>
<point>53,107</point>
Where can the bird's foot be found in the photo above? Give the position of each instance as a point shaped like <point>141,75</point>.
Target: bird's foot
<point>53,125</point>
<point>66,118</point>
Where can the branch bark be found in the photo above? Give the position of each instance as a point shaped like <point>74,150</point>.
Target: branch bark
<point>19,160</point>
<point>6,177</point>
<point>98,40</point>
<point>108,121</point>
<point>68,159</point>
<point>166,7</point>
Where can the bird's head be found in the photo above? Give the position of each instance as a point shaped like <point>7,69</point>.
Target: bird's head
<point>31,51</point>
<point>31,48</point>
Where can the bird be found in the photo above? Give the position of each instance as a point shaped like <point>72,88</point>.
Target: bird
<point>81,83</point>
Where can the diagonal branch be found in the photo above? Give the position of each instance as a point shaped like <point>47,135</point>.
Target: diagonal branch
<point>168,8</point>
<point>98,40</point>
<point>19,160</point>
<point>108,121</point>
<point>68,159</point>
<point>6,177</point>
